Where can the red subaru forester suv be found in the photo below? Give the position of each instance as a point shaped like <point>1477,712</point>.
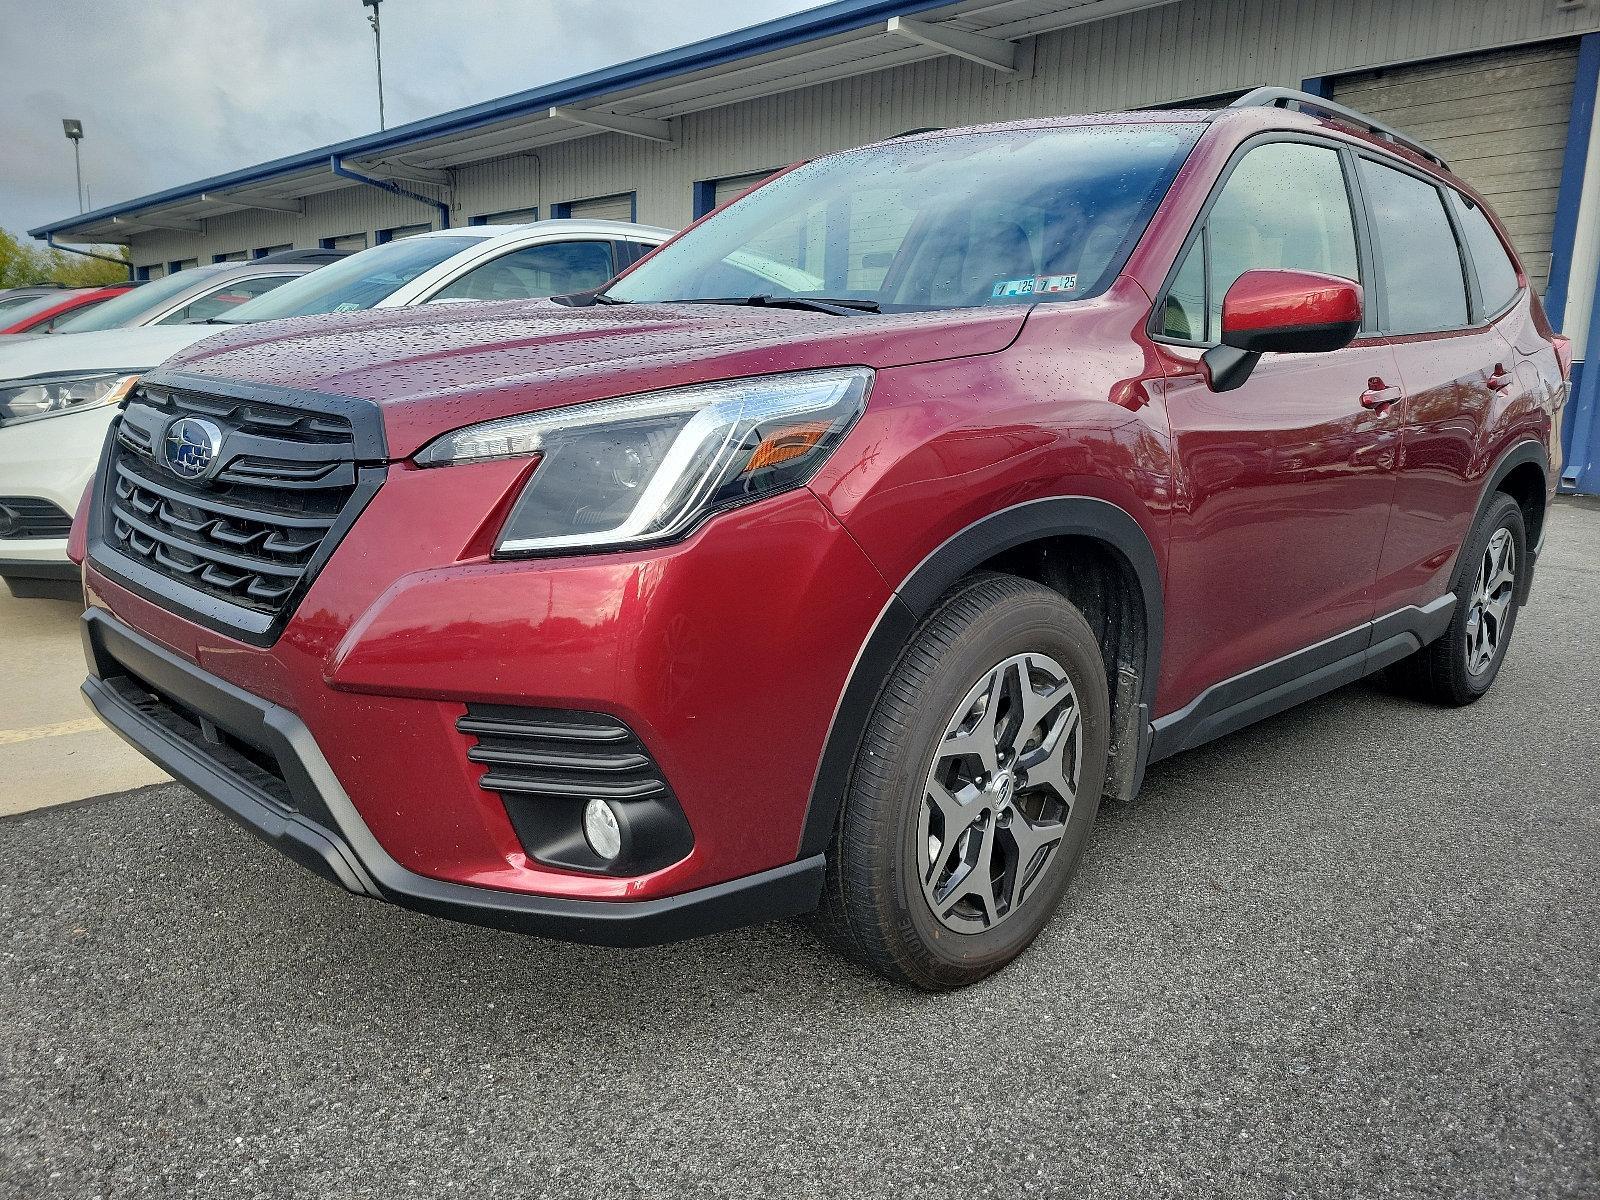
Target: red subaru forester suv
<point>845,552</point>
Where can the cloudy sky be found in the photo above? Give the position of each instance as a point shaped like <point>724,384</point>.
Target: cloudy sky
<point>171,91</point>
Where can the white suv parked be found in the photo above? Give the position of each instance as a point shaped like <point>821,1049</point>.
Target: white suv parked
<point>58,393</point>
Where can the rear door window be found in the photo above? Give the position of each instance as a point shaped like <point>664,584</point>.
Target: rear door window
<point>1497,274</point>
<point>1418,259</point>
<point>1285,205</point>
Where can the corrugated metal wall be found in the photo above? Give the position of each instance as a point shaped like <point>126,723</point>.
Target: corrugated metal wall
<point>1187,49</point>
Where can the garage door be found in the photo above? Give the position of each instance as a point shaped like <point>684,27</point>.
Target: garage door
<point>603,208</point>
<point>1499,120</point>
<point>737,185</point>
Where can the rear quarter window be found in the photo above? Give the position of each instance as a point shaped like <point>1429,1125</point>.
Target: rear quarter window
<point>1497,274</point>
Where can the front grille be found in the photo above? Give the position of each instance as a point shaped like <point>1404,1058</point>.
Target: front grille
<point>24,517</point>
<point>248,535</point>
<point>547,764</point>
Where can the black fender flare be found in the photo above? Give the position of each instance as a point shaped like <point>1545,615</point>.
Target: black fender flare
<point>1520,453</point>
<point>1060,516</point>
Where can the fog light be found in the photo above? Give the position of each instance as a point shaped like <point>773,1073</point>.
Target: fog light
<point>601,828</point>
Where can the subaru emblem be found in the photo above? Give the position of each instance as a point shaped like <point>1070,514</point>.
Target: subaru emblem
<point>191,447</point>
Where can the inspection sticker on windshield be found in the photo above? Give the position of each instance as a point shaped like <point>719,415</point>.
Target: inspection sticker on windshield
<point>1034,286</point>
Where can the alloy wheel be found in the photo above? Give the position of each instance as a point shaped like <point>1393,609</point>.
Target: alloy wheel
<point>999,792</point>
<point>1489,605</point>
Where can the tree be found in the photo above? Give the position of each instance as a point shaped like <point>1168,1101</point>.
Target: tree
<point>23,264</point>
<point>75,270</point>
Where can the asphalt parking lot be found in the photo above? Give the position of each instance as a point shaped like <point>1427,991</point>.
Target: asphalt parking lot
<point>1352,952</point>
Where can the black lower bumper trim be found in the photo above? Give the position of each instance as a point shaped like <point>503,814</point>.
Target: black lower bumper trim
<point>209,735</point>
<point>23,568</point>
<point>29,579</point>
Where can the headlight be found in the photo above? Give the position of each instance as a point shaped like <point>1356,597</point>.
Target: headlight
<point>623,472</point>
<point>30,399</point>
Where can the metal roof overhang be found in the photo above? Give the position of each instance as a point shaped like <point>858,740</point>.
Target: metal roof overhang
<point>642,97</point>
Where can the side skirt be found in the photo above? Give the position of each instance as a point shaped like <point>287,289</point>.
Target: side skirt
<point>1264,691</point>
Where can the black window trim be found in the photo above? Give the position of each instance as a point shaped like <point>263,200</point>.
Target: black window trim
<point>1365,259</point>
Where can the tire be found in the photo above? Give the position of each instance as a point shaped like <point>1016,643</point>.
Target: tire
<point>906,893</point>
<point>1457,669</point>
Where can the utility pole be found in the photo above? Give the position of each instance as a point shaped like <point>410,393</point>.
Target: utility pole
<point>74,131</point>
<point>377,44</point>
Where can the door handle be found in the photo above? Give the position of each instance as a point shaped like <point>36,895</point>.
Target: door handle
<point>1501,379</point>
<point>1379,394</point>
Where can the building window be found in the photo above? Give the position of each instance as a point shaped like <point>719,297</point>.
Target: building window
<point>402,231</point>
<point>624,206</point>
<point>509,216</point>
<point>263,251</point>
<point>348,242</point>
<point>230,256</point>
<point>182,264</point>
<point>153,271</point>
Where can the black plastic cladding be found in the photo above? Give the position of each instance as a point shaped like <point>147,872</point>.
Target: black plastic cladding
<point>547,764</point>
<point>357,455</point>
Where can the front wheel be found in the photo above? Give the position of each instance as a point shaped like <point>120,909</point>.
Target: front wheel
<point>1460,667</point>
<point>974,789</point>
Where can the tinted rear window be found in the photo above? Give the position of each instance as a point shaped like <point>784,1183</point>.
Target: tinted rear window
<point>1497,275</point>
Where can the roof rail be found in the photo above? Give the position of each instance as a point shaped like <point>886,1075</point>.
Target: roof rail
<point>1282,97</point>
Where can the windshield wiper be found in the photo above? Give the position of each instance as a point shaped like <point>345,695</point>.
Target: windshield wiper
<point>586,298</point>
<point>839,307</point>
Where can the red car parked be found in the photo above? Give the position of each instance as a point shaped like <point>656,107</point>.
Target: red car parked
<point>40,315</point>
<point>846,551</point>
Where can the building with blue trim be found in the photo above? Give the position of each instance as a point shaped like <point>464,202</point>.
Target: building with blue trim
<point>1506,89</point>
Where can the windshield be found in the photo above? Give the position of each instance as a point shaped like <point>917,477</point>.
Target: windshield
<point>961,221</point>
<point>353,283</point>
<point>127,308</point>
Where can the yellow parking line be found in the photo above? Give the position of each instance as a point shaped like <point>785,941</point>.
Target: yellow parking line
<point>10,737</point>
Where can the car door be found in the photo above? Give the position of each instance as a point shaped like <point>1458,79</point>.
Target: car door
<point>1283,486</point>
<point>1457,366</point>
<point>550,268</point>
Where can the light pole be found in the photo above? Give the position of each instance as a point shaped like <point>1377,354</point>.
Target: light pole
<point>377,44</point>
<point>74,131</point>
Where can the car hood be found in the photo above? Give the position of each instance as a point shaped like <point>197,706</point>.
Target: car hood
<point>104,350</point>
<point>439,367</point>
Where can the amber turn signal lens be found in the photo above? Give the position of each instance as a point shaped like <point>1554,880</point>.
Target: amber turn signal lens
<point>786,445</point>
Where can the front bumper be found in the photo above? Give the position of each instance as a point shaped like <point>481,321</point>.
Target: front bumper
<point>257,762</point>
<point>50,460</point>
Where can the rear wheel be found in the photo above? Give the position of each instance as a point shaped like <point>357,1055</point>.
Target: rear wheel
<point>1461,666</point>
<point>974,789</point>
